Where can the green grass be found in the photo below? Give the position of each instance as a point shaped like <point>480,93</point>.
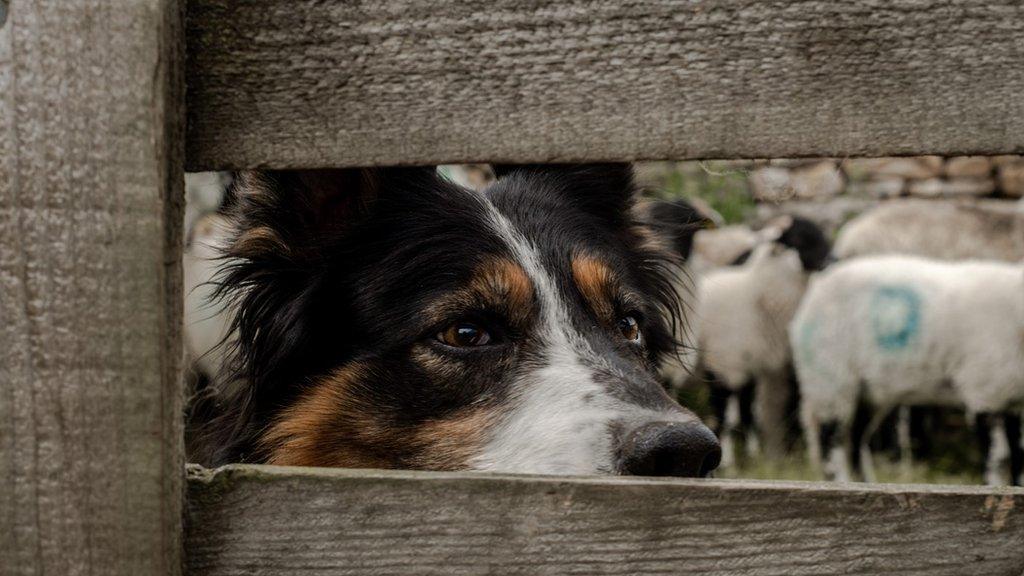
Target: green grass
<point>955,457</point>
<point>796,467</point>
<point>722,185</point>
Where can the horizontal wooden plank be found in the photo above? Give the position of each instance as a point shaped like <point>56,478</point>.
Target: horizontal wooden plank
<point>293,83</point>
<point>268,520</point>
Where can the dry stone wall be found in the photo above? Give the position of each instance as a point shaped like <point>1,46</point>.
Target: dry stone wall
<point>831,191</point>
<point>920,176</point>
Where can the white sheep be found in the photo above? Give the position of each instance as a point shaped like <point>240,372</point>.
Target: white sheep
<point>206,322</point>
<point>904,330</point>
<point>936,229</point>
<point>708,250</point>
<point>717,247</point>
<point>986,230</point>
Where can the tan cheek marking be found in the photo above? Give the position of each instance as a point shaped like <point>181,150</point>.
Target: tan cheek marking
<point>328,427</point>
<point>595,281</point>
<point>450,444</point>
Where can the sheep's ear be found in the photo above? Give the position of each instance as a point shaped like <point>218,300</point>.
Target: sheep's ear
<point>295,213</point>
<point>605,190</point>
<point>677,221</point>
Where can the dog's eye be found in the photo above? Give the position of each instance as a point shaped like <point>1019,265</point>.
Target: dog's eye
<point>630,328</point>
<point>464,335</point>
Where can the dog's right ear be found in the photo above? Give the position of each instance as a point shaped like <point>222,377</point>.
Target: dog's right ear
<point>291,231</point>
<point>287,227</point>
<point>293,214</point>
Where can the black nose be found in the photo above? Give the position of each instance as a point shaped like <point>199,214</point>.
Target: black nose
<point>685,449</point>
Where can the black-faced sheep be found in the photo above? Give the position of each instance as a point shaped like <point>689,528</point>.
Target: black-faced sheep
<point>743,313</point>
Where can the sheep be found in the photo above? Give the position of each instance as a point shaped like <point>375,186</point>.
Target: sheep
<point>206,323</point>
<point>703,248</point>
<point>925,228</point>
<point>204,194</point>
<point>743,313</point>
<point>992,230</point>
<point>718,247</point>
<point>893,330</point>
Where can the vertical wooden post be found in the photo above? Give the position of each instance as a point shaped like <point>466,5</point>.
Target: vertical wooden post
<point>91,113</point>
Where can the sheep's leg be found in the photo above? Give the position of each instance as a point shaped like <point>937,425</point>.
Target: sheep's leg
<point>730,432</point>
<point>995,448</point>
<point>923,427</point>
<point>834,441</point>
<point>746,428</point>
<point>1012,423</point>
<point>903,440</point>
<point>862,442</point>
<point>812,439</point>
<point>720,398</point>
<point>771,404</point>
<point>983,435</point>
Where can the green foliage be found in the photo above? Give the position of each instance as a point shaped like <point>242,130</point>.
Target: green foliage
<point>722,185</point>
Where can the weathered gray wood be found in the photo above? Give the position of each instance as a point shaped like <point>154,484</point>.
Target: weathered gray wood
<point>91,154</point>
<point>311,83</point>
<point>267,520</point>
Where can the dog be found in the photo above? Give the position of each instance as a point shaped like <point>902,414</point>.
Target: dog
<point>389,318</point>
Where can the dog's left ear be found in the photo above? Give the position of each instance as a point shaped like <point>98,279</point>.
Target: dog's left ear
<point>604,190</point>
<point>677,221</point>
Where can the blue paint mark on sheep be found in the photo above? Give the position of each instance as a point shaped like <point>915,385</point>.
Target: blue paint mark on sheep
<point>895,316</point>
<point>807,334</point>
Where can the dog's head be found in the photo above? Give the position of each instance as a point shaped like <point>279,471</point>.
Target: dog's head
<point>389,318</point>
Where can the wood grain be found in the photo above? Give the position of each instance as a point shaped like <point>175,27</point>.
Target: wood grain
<point>91,156</point>
<point>299,83</point>
<point>267,520</point>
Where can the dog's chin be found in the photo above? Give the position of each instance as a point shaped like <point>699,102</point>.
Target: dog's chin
<point>551,468</point>
<point>556,457</point>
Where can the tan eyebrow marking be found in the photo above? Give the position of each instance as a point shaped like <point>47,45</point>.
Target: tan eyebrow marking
<point>596,282</point>
<point>503,279</point>
<point>497,282</point>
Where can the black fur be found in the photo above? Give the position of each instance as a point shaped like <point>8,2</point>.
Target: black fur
<point>346,263</point>
<point>809,241</point>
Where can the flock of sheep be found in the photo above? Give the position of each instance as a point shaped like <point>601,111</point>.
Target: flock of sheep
<point>919,303</point>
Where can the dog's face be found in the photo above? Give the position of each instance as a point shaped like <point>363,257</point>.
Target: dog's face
<point>391,319</point>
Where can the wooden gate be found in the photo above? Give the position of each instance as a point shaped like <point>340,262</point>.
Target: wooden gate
<point>93,142</point>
